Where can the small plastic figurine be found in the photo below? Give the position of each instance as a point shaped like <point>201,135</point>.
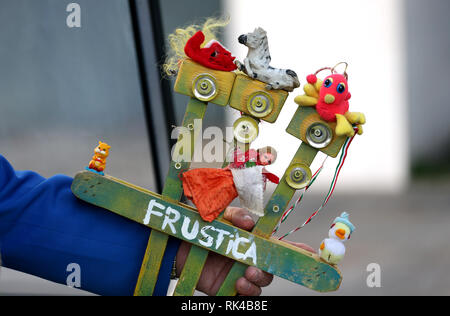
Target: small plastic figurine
<point>98,162</point>
<point>330,97</point>
<point>257,63</point>
<point>212,190</point>
<point>332,249</point>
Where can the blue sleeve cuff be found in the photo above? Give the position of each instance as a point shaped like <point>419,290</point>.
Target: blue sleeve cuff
<point>44,228</point>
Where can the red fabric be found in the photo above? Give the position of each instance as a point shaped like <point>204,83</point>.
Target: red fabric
<point>312,79</point>
<point>240,159</point>
<point>210,189</point>
<point>214,56</point>
<point>271,177</point>
<point>340,105</point>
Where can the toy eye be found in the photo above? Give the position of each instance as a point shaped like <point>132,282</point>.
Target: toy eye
<point>327,83</point>
<point>341,87</point>
<point>332,226</point>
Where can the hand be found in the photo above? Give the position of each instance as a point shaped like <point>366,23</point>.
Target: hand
<point>217,266</point>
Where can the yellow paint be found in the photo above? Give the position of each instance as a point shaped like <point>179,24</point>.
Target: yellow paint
<point>245,88</point>
<point>190,70</point>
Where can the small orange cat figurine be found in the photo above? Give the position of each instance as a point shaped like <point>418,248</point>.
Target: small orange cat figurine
<point>98,161</point>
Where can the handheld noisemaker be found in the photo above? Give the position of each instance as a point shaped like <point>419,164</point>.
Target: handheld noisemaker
<point>211,76</point>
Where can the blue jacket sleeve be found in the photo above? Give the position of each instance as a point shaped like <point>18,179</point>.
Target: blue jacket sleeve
<point>44,228</point>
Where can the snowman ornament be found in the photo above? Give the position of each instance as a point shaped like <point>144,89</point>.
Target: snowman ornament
<point>332,249</point>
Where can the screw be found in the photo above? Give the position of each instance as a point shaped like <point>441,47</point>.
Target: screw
<point>317,132</point>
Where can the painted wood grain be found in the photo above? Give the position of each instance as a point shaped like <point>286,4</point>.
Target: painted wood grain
<point>189,70</point>
<point>244,87</point>
<point>303,118</point>
<point>172,190</point>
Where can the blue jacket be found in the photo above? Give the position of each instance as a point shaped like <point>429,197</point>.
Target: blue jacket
<point>44,228</point>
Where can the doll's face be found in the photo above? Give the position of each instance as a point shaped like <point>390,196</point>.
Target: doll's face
<point>266,158</point>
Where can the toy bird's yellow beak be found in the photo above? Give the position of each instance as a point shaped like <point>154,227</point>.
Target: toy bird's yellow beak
<point>329,98</point>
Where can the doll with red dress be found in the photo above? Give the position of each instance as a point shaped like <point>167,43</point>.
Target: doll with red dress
<point>212,190</point>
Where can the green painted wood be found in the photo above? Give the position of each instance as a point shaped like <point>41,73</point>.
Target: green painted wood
<point>196,259</point>
<point>192,270</point>
<point>147,280</point>
<point>172,190</point>
<point>228,287</point>
<point>173,187</point>
<point>169,217</point>
<point>283,194</point>
<point>188,72</point>
<point>303,118</point>
<point>264,227</point>
<point>245,87</point>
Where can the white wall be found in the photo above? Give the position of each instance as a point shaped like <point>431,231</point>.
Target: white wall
<point>307,35</point>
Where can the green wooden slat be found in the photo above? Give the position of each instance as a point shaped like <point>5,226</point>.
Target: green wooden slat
<point>266,224</point>
<point>172,190</point>
<point>140,205</point>
<point>303,117</point>
<point>147,280</point>
<point>196,259</point>
<point>282,194</point>
<point>192,270</point>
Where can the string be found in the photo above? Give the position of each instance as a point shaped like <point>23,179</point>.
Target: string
<point>290,210</point>
<point>342,158</point>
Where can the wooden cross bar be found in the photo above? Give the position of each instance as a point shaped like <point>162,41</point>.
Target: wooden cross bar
<point>183,222</point>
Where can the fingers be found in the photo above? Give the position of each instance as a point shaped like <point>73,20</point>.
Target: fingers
<point>258,277</point>
<point>301,245</point>
<point>247,288</point>
<point>251,283</point>
<point>239,217</point>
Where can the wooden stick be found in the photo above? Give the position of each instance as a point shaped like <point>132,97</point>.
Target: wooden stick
<point>196,259</point>
<point>172,190</point>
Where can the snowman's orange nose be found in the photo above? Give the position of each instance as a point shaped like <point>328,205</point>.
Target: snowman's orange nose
<point>340,233</point>
<point>329,98</point>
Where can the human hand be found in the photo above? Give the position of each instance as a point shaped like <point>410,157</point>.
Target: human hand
<point>217,266</point>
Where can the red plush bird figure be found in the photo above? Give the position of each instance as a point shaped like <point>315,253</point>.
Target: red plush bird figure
<point>213,55</point>
<point>330,97</point>
<point>333,97</point>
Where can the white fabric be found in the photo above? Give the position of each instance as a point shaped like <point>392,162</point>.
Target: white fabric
<point>335,247</point>
<point>249,184</point>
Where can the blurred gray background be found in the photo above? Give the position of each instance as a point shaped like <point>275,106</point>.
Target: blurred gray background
<point>62,89</point>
